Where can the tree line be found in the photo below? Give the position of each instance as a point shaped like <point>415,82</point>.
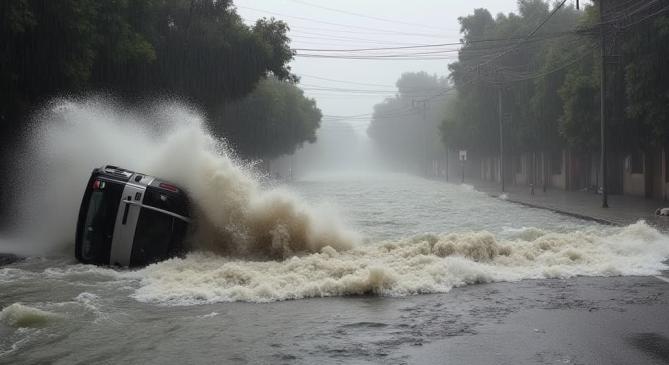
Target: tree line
<point>549,84</point>
<point>198,50</point>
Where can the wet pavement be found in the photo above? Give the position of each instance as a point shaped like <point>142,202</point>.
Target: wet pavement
<point>623,209</point>
<point>581,321</point>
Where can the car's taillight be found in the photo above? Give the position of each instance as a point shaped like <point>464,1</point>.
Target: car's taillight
<point>169,187</point>
<point>97,185</point>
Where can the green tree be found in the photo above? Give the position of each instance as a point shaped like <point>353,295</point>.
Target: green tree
<point>274,120</point>
<point>196,49</point>
<point>528,73</point>
<point>647,80</point>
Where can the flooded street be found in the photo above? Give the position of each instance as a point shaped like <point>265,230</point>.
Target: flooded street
<point>391,299</point>
<point>267,182</point>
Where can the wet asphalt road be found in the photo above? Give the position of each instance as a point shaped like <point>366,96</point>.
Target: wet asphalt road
<point>584,320</point>
<point>622,320</point>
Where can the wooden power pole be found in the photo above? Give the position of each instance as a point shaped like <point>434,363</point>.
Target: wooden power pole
<point>605,203</point>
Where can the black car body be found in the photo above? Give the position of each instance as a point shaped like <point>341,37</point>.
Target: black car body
<point>130,219</point>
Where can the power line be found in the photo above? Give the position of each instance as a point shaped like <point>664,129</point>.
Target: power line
<point>377,48</point>
<point>369,16</point>
<point>646,17</point>
<point>509,39</point>
<point>348,26</point>
<point>542,74</point>
<point>533,32</point>
<point>301,28</point>
<point>328,88</point>
<point>382,57</point>
<point>346,82</point>
<point>547,19</point>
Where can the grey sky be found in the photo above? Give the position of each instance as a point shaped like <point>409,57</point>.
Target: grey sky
<point>314,26</point>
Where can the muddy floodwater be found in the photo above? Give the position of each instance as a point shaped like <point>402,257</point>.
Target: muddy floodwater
<point>407,283</point>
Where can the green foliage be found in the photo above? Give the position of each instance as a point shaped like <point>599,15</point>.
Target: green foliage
<point>272,121</point>
<point>561,106</point>
<point>491,62</point>
<point>580,122</point>
<point>195,49</point>
<point>647,80</point>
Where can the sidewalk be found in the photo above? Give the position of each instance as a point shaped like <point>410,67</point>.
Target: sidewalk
<point>623,209</point>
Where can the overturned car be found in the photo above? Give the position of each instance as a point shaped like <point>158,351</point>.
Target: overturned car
<point>130,219</point>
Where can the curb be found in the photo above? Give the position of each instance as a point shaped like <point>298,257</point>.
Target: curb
<point>563,212</point>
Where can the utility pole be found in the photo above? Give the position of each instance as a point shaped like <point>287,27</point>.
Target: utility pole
<point>426,167</point>
<point>446,163</point>
<point>425,139</point>
<point>501,136</point>
<point>605,203</point>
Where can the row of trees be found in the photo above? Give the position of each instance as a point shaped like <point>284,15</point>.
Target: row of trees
<point>199,50</point>
<point>550,85</point>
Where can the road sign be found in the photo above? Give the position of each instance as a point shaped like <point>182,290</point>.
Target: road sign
<point>463,155</point>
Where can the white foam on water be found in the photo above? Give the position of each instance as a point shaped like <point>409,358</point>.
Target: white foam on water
<point>20,315</point>
<point>210,315</point>
<point>422,264</point>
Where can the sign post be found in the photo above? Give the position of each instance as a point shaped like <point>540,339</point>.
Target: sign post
<point>463,158</point>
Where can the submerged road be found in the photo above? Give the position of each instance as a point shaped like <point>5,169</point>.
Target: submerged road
<point>451,276</point>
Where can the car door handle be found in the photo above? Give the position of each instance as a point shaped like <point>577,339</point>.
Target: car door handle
<point>125,212</point>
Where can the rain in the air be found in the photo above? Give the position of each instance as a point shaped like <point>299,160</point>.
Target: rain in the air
<point>348,182</point>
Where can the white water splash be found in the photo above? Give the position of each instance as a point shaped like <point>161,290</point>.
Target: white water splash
<point>234,216</point>
<point>20,315</point>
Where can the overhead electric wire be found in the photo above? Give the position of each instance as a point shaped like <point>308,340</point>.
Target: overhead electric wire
<point>542,74</point>
<point>314,35</point>
<point>383,58</point>
<point>379,32</point>
<point>432,45</point>
<point>627,9</point>
<point>348,26</point>
<point>533,32</point>
<point>369,16</point>
<point>345,81</point>
<point>343,40</point>
<point>646,18</point>
<point>328,88</point>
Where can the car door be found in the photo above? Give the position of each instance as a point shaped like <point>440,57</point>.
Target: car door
<point>126,222</point>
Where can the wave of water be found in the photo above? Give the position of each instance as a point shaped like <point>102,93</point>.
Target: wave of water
<point>421,264</point>
<point>19,315</point>
<point>234,215</point>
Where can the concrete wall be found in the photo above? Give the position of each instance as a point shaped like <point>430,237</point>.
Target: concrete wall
<point>559,180</point>
<point>652,182</point>
<point>489,169</point>
<point>520,171</point>
<point>657,178</point>
<point>633,183</point>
